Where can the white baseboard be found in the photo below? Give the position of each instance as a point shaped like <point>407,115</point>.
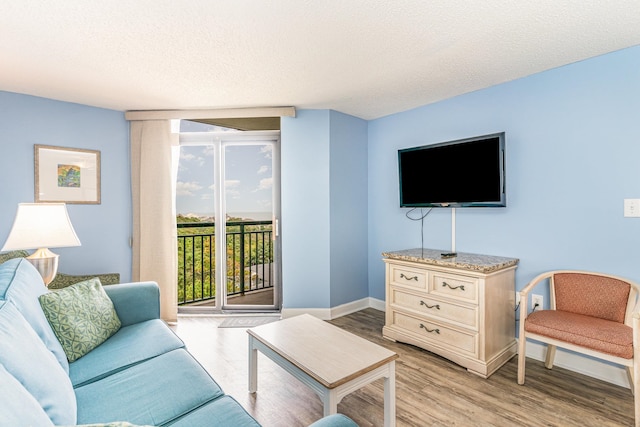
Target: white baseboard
<point>335,312</point>
<point>598,369</point>
<point>320,313</point>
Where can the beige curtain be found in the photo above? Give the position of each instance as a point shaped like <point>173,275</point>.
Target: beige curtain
<point>153,149</point>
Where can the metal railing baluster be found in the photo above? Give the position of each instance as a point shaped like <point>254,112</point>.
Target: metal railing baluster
<point>249,245</point>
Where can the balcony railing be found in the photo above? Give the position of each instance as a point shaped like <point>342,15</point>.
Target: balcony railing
<point>249,258</point>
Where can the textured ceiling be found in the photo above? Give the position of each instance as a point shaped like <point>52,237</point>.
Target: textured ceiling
<point>367,58</point>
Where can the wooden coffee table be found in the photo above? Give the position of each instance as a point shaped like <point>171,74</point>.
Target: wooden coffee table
<point>330,360</point>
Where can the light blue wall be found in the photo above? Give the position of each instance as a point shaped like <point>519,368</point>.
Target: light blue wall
<point>348,196</point>
<point>304,154</point>
<point>573,150</point>
<point>103,229</point>
<point>324,209</point>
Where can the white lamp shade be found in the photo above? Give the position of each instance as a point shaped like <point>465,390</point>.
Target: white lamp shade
<point>41,225</point>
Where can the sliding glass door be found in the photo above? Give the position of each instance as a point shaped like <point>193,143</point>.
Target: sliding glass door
<point>229,260</point>
<point>250,223</point>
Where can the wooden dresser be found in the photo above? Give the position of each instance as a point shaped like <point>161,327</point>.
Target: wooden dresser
<point>462,308</point>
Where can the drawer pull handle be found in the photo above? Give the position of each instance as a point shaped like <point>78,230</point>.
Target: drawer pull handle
<point>437,331</point>
<point>437,306</point>
<point>461,287</point>
<point>408,278</point>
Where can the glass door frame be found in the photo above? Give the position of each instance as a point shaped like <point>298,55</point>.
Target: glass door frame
<point>220,140</point>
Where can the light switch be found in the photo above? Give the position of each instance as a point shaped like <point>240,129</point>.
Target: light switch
<point>632,208</point>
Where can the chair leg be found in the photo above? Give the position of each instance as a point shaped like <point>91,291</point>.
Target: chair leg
<point>551,355</point>
<point>635,374</point>
<point>634,386</point>
<point>629,370</point>
<point>636,403</point>
<point>522,340</point>
<point>522,355</point>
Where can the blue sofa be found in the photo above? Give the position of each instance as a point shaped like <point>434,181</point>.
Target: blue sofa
<point>141,375</point>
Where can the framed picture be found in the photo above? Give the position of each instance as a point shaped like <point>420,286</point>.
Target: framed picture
<point>68,175</point>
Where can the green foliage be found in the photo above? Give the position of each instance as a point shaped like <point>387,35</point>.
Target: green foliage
<point>248,243</point>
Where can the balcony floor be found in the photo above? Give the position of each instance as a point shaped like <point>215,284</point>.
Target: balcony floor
<point>253,298</point>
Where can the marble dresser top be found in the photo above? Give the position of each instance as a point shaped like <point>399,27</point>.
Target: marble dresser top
<point>463,261</point>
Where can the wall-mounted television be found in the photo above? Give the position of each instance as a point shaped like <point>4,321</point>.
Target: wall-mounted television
<point>463,173</point>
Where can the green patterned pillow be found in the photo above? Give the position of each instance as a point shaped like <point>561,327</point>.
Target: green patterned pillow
<point>82,317</point>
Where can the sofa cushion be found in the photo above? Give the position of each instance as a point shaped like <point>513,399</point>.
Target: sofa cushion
<point>25,357</point>
<point>21,284</point>
<point>224,411</point>
<point>82,317</point>
<point>154,392</point>
<point>17,406</point>
<point>335,420</point>
<point>130,345</point>
<point>113,424</point>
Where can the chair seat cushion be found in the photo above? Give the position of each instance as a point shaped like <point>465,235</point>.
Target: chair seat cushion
<point>601,335</point>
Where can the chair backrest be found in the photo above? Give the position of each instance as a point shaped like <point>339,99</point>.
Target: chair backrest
<point>591,295</point>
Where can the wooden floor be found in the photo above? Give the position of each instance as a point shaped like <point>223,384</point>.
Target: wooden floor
<point>431,391</point>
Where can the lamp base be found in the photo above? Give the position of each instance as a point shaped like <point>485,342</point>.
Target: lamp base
<point>46,262</point>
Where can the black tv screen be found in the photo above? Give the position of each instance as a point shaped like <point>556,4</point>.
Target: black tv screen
<point>463,173</point>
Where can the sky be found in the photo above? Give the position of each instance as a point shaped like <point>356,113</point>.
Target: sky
<point>248,178</point>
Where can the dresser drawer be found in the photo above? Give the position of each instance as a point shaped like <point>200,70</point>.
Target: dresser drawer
<point>465,316</point>
<point>408,277</point>
<point>436,333</point>
<point>463,288</point>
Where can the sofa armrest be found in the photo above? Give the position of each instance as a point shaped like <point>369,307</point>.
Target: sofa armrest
<point>336,420</point>
<point>135,302</point>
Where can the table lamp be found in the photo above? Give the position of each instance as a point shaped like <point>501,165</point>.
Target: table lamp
<point>41,226</point>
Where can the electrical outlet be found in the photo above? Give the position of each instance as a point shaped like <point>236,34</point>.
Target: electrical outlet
<point>632,208</point>
<point>517,297</point>
<point>537,299</point>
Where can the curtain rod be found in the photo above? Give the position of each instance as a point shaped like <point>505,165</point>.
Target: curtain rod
<point>228,113</point>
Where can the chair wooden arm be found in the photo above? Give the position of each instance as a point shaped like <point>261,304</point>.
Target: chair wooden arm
<point>524,292</point>
<point>533,283</point>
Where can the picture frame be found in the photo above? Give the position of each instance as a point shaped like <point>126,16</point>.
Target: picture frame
<point>68,175</point>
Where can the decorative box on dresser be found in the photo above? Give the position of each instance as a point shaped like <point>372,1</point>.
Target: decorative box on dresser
<point>462,308</point>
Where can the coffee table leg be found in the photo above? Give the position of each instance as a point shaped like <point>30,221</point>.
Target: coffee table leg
<point>330,401</point>
<point>390,396</point>
<point>253,366</point>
